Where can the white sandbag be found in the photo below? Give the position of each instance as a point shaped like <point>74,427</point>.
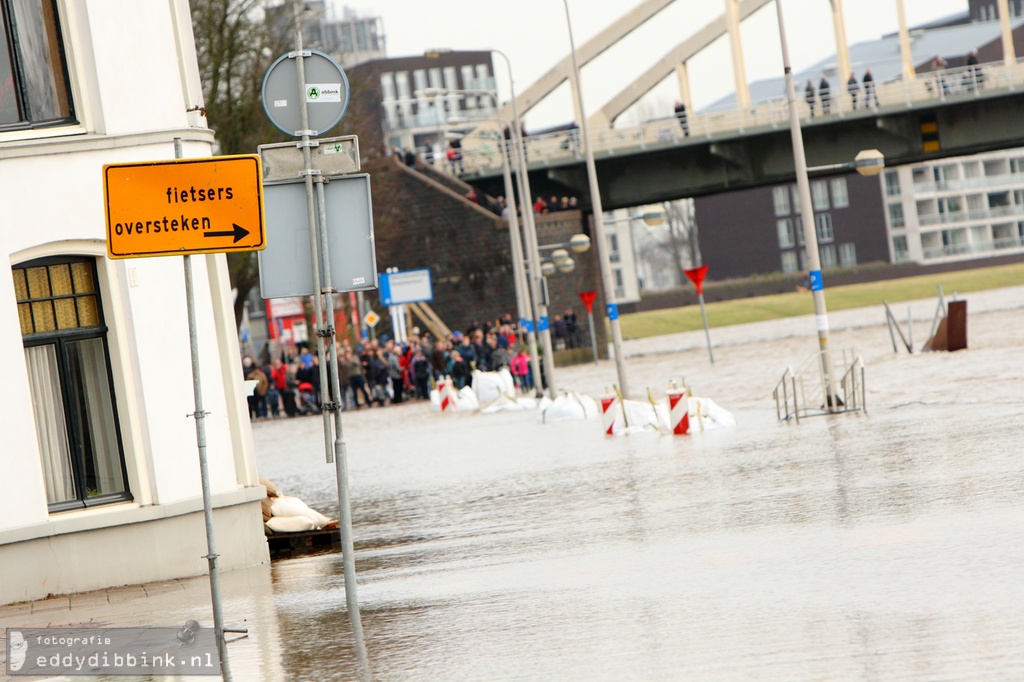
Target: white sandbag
<point>569,406</point>
<point>646,415</point>
<point>293,507</point>
<point>712,416</point>
<point>290,524</point>
<point>466,400</point>
<point>491,386</point>
<point>508,403</point>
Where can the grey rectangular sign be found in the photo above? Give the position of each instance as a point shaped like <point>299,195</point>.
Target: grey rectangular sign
<point>331,156</point>
<point>190,650</point>
<point>285,264</point>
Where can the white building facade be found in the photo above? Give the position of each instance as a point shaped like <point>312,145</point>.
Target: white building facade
<point>100,482</point>
<point>955,209</point>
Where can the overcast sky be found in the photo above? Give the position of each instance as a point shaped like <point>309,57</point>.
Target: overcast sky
<point>533,34</point>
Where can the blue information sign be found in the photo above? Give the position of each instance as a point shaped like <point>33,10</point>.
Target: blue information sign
<point>817,283</point>
<point>542,324</point>
<point>407,286</point>
<point>613,311</point>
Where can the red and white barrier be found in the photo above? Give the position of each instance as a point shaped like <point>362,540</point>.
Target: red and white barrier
<point>608,413</point>
<point>444,394</point>
<point>679,411</point>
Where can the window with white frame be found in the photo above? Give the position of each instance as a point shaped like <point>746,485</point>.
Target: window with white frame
<point>789,262</point>
<point>467,84</point>
<point>797,208</point>
<point>823,223</point>
<point>65,340</point>
<point>819,195</point>
<point>840,193</point>
<point>827,253</point>
<point>34,84</point>
<point>848,254</point>
<point>419,79</point>
<point>780,197</point>
<point>785,229</point>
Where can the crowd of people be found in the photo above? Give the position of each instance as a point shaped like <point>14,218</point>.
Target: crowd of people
<point>382,372</point>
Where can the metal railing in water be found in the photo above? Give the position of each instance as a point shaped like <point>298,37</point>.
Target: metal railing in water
<point>481,154</point>
<point>802,393</point>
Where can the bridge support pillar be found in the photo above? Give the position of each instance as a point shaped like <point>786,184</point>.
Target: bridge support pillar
<point>739,69</point>
<point>683,76</point>
<point>905,56</point>
<point>1009,53</point>
<point>842,49</point>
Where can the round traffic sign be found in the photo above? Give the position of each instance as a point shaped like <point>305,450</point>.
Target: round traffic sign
<point>325,93</point>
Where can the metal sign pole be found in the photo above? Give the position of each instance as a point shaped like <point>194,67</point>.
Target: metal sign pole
<point>340,452</point>
<point>707,334</point>
<point>204,468</point>
<point>321,283</point>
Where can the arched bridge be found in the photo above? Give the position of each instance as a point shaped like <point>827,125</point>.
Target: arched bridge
<point>916,116</point>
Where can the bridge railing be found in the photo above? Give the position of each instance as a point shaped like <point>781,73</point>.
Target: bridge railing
<point>481,155</point>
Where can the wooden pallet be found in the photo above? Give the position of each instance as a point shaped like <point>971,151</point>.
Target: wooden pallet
<point>305,542</point>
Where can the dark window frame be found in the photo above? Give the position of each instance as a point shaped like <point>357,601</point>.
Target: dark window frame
<point>19,79</point>
<point>61,339</point>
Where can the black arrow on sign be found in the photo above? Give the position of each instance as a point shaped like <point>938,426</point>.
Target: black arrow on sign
<point>238,233</point>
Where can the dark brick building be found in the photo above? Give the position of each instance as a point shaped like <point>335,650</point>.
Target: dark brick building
<point>757,231</point>
<point>421,219</point>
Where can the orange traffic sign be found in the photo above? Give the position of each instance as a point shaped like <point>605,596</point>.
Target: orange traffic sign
<point>184,206</point>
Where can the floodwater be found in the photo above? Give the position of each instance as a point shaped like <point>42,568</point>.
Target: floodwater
<point>885,545</point>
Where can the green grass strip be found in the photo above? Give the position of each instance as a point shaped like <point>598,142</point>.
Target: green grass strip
<point>742,311</point>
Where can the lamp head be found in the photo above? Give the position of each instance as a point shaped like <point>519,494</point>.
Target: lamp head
<point>559,256</point>
<point>869,162</point>
<point>579,243</point>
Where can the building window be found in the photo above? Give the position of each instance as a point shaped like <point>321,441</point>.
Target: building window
<point>780,195</point>
<point>819,195</point>
<point>34,87</point>
<point>823,223</point>
<point>828,256</point>
<point>892,183</point>
<point>848,254</point>
<point>786,237</point>
<point>614,256</point>
<point>896,220</point>
<point>467,84</point>
<point>65,342</point>
<point>900,252</point>
<point>840,195</point>
<point>419,79</point>
<point>789,262</point>
<point>797,208</point>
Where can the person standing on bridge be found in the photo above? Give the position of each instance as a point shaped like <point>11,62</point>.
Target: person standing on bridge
<point>680,110</point>
<point>810,95</point>
<point>825,93</point>
<point>975,80</point>
<point>853,87</point>
<point>869,89</point>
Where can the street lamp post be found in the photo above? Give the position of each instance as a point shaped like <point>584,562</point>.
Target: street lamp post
<point>810,231</point>
<point>530,231</point>
<point>598,212</point>
<point>527,289</point>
